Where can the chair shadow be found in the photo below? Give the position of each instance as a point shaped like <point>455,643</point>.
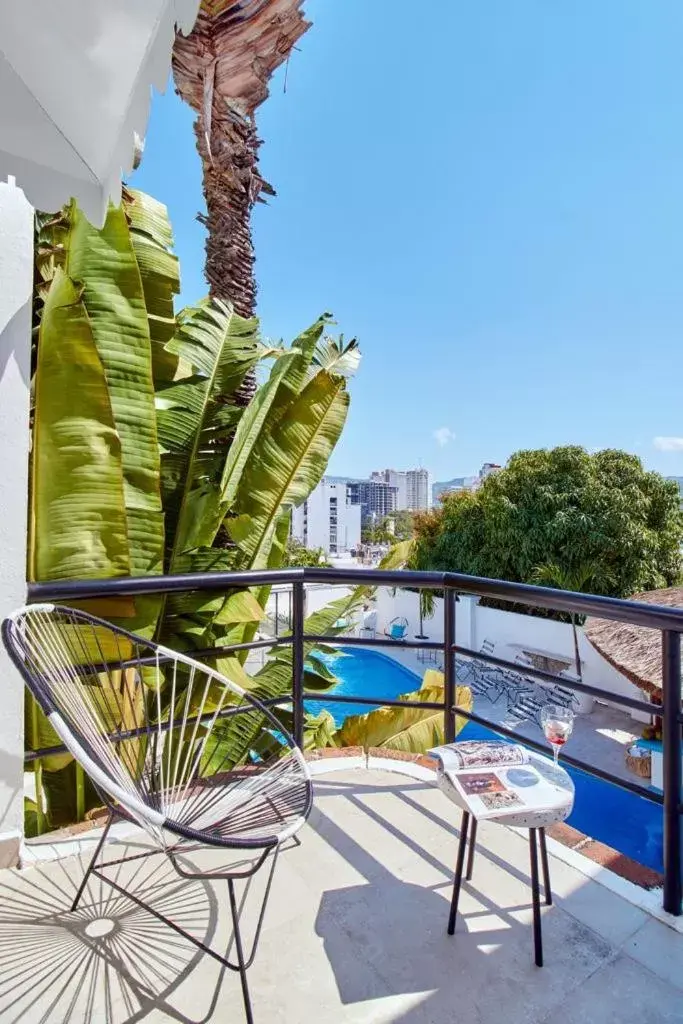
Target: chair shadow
<point>110,961</point>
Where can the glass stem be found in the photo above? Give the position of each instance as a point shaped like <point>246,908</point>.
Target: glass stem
<point>556,753</point>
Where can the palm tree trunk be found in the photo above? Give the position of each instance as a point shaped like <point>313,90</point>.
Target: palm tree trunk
<point>222,69</point>
<point>232,185</point>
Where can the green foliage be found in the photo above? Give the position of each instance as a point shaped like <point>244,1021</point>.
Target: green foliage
<point>77,469</point>
<point>298,556</point>
<point>600,520</point>
<point>396,527</point>
<point>403,524</point>
<point>143,461</point>
<point>408,729</point>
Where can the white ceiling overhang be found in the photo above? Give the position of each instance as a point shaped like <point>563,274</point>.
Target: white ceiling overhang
<point>75,89</point>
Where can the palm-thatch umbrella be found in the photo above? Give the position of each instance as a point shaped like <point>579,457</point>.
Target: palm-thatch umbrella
<point>635,651</point>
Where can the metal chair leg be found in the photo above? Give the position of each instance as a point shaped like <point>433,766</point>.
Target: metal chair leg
<point>458,871</point>
<point>470,858</point>
<point>546,868</point>
<point>536,899</point>
<point>240,953</point>
<point>91,865</point>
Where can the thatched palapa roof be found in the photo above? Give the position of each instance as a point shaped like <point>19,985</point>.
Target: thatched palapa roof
<point>635,651</point>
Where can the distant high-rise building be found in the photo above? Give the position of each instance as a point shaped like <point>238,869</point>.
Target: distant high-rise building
<point>418,495</point>
<point>376,498</point>
<point>395,478</point>
<point>412,487</point>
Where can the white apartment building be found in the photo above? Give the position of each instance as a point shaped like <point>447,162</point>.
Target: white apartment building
<point>328,519</point>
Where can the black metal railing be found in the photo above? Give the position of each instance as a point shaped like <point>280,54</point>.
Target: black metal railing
<point>669,621</point>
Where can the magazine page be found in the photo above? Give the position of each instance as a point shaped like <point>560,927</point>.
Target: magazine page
<point>495,792</point>
<point>475,753</point>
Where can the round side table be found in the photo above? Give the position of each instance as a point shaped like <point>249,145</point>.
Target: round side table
<point>552,802</point>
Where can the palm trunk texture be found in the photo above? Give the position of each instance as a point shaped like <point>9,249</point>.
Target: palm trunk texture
<point>222,70</point>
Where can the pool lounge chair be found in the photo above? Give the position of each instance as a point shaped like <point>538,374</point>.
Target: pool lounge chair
<point>397,629</point>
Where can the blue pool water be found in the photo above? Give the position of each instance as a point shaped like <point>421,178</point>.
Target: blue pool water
<point>623,820</point>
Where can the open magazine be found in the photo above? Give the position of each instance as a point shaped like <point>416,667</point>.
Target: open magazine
<point>498,778</point>
<point>477,753</point>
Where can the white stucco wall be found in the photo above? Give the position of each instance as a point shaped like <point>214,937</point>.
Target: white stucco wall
<point>16,281</point>
<point>475,624</point>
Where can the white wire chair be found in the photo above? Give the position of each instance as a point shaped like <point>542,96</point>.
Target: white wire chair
<point>169,744</point>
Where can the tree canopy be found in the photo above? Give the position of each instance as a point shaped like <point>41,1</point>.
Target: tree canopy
<point>298,555</point>
<point>395,527</point>
<point>566,508</point>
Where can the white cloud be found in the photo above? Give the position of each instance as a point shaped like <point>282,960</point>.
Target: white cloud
<point>443,435</point>
<point>668,444</point>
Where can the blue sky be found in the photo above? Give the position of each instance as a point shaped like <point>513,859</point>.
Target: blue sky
<point>490,196</point>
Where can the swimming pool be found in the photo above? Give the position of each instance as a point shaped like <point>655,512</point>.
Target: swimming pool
<point>623,820</point>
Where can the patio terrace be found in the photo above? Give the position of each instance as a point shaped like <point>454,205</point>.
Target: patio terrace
<point>355,929</point>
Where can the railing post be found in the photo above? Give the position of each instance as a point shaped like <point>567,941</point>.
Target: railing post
<point>298,662</point>
<point>671,756</point>
<point>449,664</point>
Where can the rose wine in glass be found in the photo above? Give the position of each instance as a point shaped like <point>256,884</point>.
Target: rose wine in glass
<point>558,723</point>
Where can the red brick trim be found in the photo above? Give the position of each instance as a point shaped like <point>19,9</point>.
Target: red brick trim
<point>324,753</point>
<point>562,833</point>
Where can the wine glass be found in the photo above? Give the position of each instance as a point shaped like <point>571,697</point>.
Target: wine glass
<point>558,723</point>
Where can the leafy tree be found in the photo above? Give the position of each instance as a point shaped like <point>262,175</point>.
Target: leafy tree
<point>298,556</point>
<point>564,508</point>
<point>403,524</point>
<point>396,527</point>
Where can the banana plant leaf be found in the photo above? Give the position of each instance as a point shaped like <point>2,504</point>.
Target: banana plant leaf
<point>152,240</point>
<point>193,428</point>
<point>78,513</point>
<point>408,729</point>
<point>304,348</point>
<point>288,462</point>
<point>275,558</point>
<point>39,734</point>
<point>104,260</point>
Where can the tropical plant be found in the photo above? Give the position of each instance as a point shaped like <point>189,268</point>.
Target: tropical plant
<point>408,729</point>
<point>144,460</point>
<point>426,606</point>
<point>563,507</point>
<point>583,577</point>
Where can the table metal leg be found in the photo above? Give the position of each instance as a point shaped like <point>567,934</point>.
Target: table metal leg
<point>473,843</point>
<point>546,869</point>
<point>536,898</point>
<point>458,871</point>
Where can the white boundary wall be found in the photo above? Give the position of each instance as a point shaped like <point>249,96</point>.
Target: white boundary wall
<point>16,286</point>
<point>474,624</point>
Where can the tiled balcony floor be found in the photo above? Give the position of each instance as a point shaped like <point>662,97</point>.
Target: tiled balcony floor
<point>355,931</point>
